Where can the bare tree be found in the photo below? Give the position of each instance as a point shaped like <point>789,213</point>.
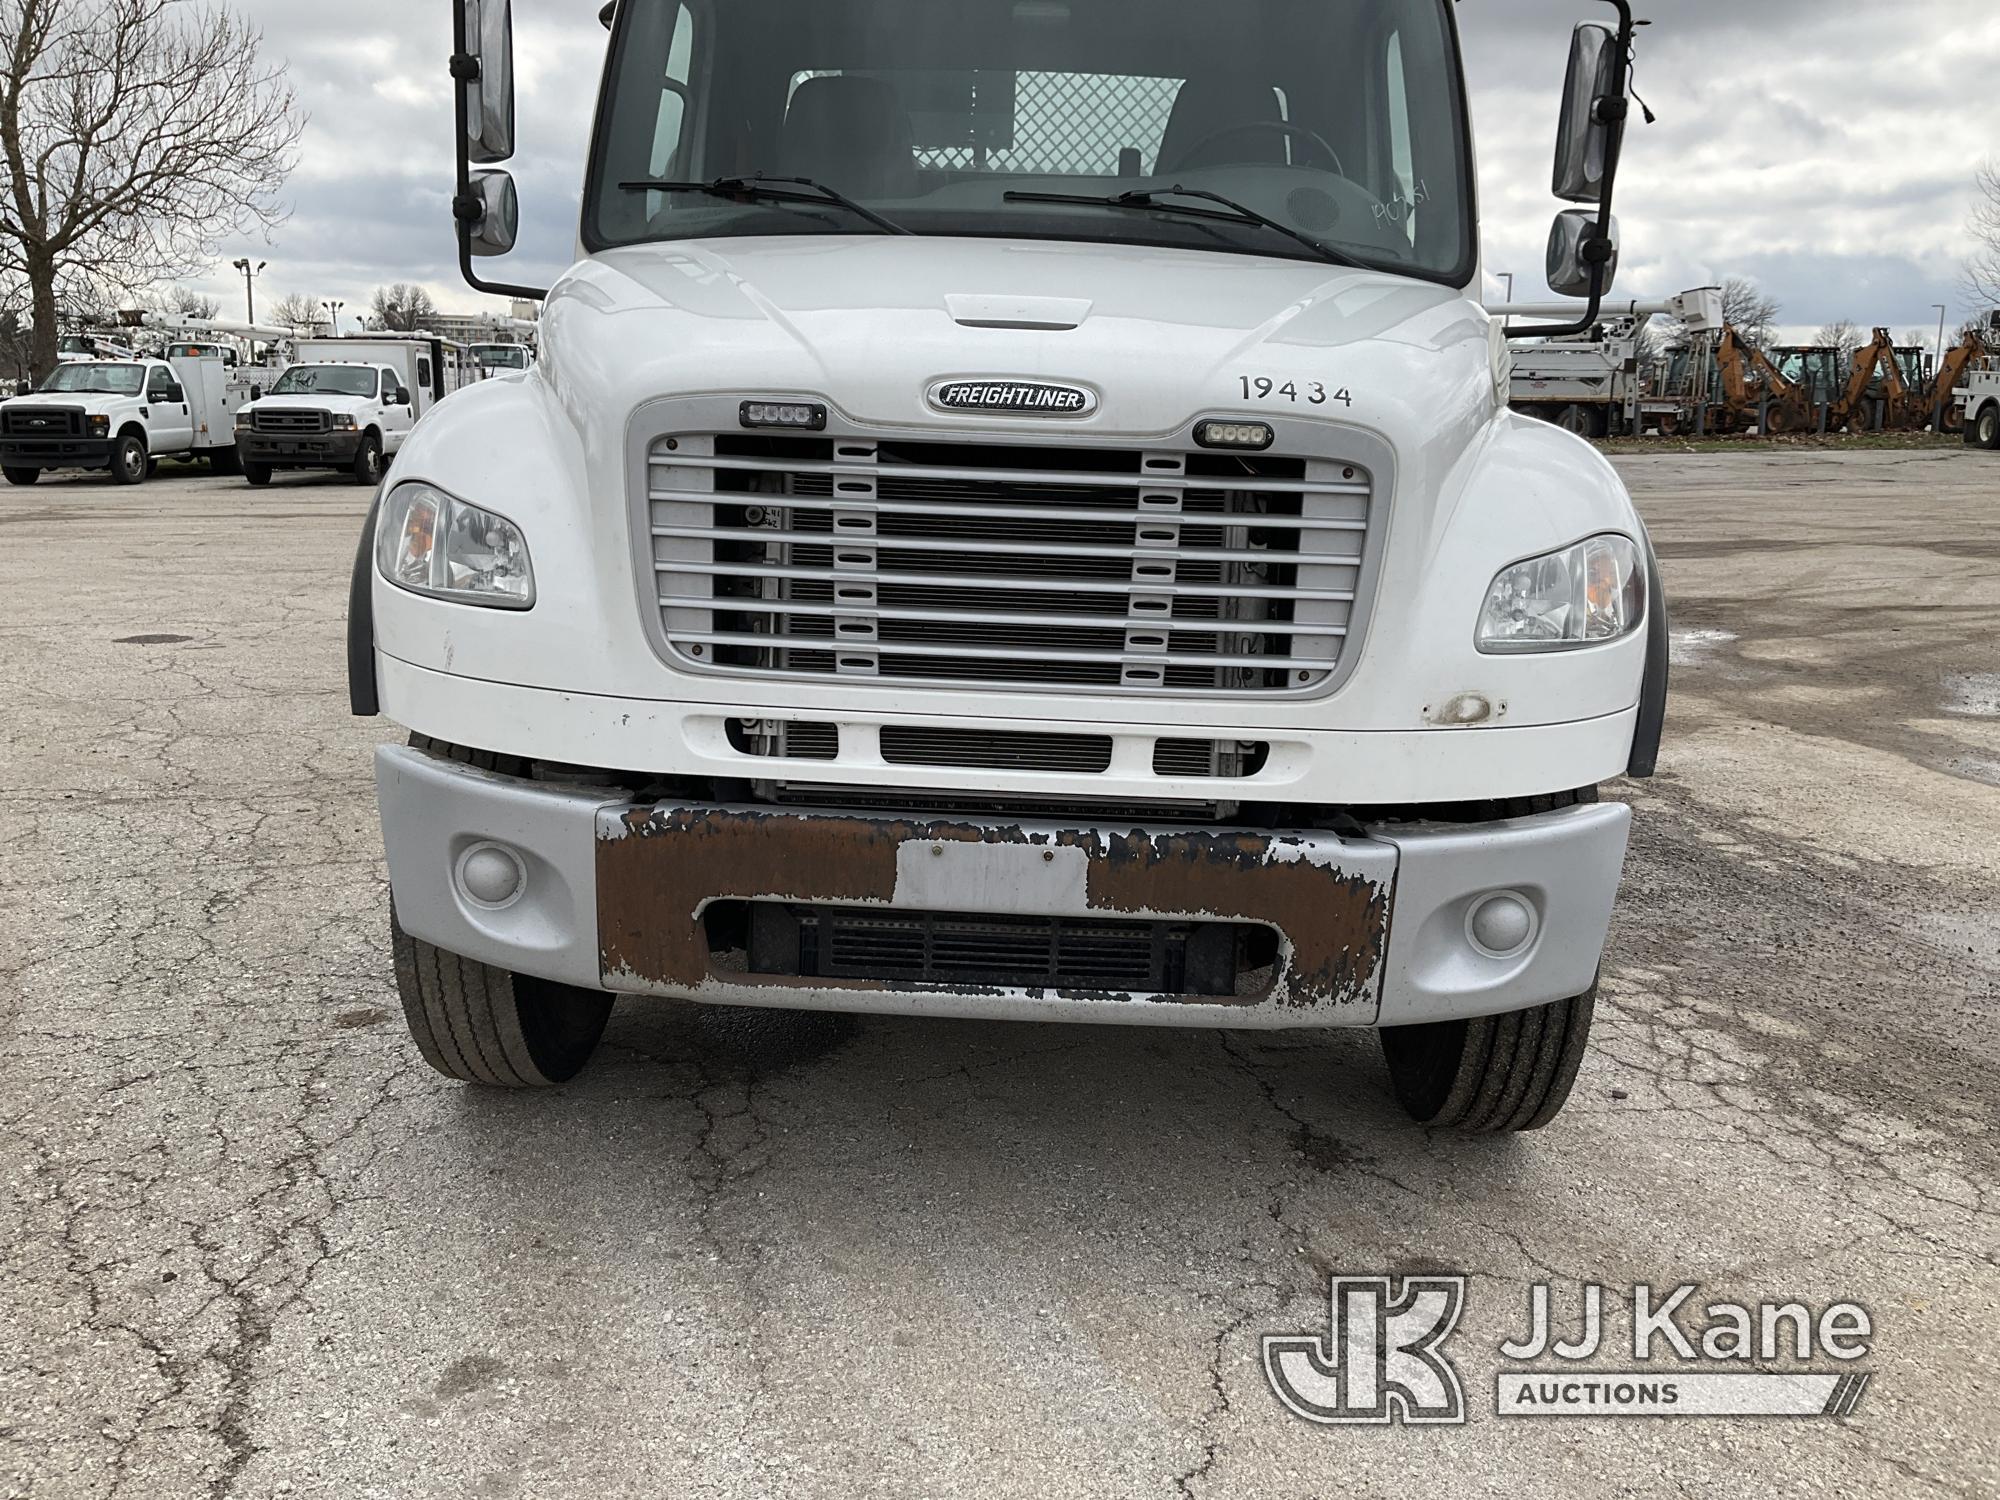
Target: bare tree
<point>1843,336</point>
<point>135,135</point>
<point>1979,280</point>
<point>1747,309</point>
<point>296,311</point>
<point>401,308</point>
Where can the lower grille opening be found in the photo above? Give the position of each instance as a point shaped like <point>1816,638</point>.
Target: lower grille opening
<point>785,739</point>
<point>1209,758</point>
<point>1215,959</point>
<point>995,749</point>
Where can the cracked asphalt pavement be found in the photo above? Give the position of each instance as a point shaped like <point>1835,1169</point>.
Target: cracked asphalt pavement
<point>252,1247</point>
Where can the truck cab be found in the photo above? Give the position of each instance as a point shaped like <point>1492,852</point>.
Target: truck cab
<point>1016,515</point>
<point>350,415</point>
<point>503,359</point>
<point>121,415</point>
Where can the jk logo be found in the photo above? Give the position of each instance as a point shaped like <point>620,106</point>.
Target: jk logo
<point>1380,1359</point>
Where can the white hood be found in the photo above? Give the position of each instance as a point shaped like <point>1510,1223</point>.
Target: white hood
<point>870,322</point>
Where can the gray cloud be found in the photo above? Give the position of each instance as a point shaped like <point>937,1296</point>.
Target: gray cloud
<point>1824,146</point>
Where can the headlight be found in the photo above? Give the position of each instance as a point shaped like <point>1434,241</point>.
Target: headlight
<point>342,422</point>
<point>430,543</point>
<point>245,421</point>
<point>1581,596</point>
<point>100,426</point>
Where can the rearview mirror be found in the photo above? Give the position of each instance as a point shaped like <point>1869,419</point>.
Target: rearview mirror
<point>495,215</point>
<point>1574,248</point>
<point>489,97</point>
<point>1583,140</point>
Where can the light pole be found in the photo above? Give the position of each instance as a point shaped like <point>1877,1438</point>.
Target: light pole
<point>249,291</point>
<point>1940,349</point>
<point>1508,277</point>
<point>333,313</point>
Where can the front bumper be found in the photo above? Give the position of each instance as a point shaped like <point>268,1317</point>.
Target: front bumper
<point>56,452</point>
<point>1373,930</point>
<point>314,450</point>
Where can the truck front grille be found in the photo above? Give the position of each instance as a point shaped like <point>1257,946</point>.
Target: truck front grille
<point>292,420</point>
<point>41,421</point>
<point>961,564</point>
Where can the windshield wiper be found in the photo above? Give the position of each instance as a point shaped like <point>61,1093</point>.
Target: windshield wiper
<point>1148,200</point>
<point>771,190</point>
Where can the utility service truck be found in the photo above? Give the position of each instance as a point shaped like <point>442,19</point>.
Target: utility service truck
<point>348,403</point>
<point>1593,384</point>
<point>1016,514</point>
<point>123,415</point>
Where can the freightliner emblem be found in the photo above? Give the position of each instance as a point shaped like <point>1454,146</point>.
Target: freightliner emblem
<point>1020,398</point>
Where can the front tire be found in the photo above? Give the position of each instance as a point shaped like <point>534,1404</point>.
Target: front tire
<point>18,474</point>
<point>258,474</point>
<point>129,464</point>
<point>1491,1075</point>
<point>368,466</point>
<point>484,1025</point>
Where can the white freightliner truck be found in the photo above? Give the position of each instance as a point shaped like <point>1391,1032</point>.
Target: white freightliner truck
<point>1016,515</point>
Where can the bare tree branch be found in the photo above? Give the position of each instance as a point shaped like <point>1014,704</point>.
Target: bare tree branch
<point>136,136</point>
<point>402,308</point>
<point>1979,280</point>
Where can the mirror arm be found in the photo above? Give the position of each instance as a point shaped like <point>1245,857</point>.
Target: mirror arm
<point>466,207</point>
<point>1612,109</point>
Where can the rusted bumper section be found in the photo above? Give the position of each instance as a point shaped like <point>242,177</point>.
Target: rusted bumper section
<point>658,868</point>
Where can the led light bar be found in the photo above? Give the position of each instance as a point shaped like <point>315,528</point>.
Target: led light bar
<point>1255,435</point>
<point>807,414</point>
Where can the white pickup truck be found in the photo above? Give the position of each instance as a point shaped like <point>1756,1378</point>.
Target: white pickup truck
<point>1051,545</point>
<point>122,415</point>
<point>347,415</point>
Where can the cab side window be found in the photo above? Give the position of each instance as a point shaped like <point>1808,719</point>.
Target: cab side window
<point>161,386</point>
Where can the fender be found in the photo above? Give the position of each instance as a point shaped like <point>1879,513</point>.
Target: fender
<point>1653,686</point>
<point>362,699</point>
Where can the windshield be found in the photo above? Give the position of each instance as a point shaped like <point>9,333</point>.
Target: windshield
<point>1342,119</point>
<point>113,380</point>
<point>325,380</point>
<point>502,356</point>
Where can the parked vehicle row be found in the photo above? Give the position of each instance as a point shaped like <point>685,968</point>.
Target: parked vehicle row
<point>346,404</point>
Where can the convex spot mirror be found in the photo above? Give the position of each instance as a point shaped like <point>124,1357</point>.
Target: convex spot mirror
<point>1583,141</point>
<point>489,98</point>
<point>498,217</point>
<point>1570,241</point>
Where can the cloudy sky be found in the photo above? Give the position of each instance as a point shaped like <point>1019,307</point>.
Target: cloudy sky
<point>1824,147</point>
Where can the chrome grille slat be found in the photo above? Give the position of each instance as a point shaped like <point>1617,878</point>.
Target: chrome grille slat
<point>1002,512</point>
<point>973,545</point>
<point>1111,622</point>
<point>956,650</point>
<point>953,562</point>
<point>950,580</point>
<point>1119,481</point>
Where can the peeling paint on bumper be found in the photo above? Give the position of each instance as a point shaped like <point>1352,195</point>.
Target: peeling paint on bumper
<point>1327,897</point>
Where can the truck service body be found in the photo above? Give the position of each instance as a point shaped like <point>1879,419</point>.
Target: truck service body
<point>926,582</point>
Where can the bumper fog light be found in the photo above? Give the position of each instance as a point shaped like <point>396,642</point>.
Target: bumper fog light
<point>1501,925</point>
<point>491,875</point>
